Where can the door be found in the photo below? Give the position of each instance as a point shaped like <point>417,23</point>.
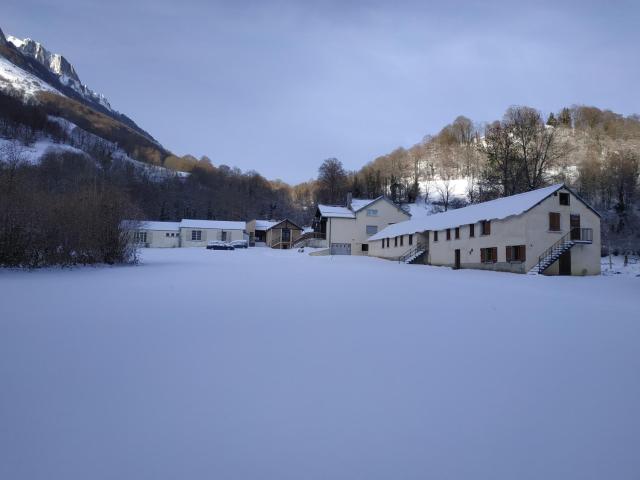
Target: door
<point>340,249</point>
<point>457,260</point>
<point>574,222</point>
<point>564,263</point>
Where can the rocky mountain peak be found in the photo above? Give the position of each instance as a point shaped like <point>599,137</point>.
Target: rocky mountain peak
<point>59,66</point>
<point>56,63</point>
<point>3,40</point>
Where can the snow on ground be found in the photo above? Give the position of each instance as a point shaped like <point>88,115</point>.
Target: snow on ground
<point>33,153</point>
<point>277,365</point>
<point>12,76</point>
<point>614,265</point>
<point>457,187</point>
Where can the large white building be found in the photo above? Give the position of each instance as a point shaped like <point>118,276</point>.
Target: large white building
<point>550,230</point>
<point>187,233</point>
<point>345,230</point>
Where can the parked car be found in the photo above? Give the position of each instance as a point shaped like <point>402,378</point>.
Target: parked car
<point>219,245</point>
<point>240,244</point>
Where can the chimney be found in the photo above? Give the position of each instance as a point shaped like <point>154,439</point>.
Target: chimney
<point>349,198</point>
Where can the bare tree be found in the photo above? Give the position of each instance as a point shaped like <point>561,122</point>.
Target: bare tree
<point>445,191</point>
<point>332,181</point>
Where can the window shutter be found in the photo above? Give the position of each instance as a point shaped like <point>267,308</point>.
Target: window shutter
<point>482,255</point>
<point>495,254</point>
<point>523,250</point>
<point>509,252</point>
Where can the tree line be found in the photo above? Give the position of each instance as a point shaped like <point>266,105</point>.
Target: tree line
<point>596,152</point>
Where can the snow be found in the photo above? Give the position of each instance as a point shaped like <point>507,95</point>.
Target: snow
<point>492,210</point>
<point>160,226</point>
<point>358,204</point>
<point>458,188</point>
<point>15,78</point>
<point>614,265</point>
<point>335,211</point>
<point>403,371</point>
<point>265,224</point>
<point>33,153</point>
<point>222,224</point>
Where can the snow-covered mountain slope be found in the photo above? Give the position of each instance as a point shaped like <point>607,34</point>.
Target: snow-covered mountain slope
<point>15,78</point>
<point>49,79</point>
<point>59,66</point>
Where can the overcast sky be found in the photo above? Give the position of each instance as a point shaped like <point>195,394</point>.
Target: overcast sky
<point>280,86</point>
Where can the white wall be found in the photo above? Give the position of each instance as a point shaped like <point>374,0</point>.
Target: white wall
<point>208,235</point>
<point>530,229</point>
<point>163,238</point>
<point>354,231</point>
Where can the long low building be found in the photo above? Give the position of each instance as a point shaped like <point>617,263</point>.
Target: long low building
<point>187,233</point>
<point>550,230</point>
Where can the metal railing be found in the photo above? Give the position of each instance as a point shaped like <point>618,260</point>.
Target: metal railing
<point>582,235</point>
<point>575,235</point>
<point>309,236</point>
<point>415,251</point>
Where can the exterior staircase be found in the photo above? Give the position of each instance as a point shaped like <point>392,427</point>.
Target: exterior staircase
<point>567,242</point>
<point>413,254</point>
<point>305,237</point>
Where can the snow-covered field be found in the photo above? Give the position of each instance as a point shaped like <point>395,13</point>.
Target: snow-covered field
<point>261,364</point>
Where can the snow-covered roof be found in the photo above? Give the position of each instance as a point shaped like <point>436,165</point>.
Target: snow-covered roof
<point>265,224</point>
<point>220,224</point>
<point>335,212</point>
<point>169,226</point>
<point>358,204</point>
<point>492,210</point>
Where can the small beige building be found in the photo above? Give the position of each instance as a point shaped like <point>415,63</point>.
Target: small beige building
<point>283,234</point>
<point>257,230</point>
<point>197,233</point>
<point>187,233</point>
<point>345,230</point>
<point>157,234</point>
<point>550,230</point>
<point>274,234</point>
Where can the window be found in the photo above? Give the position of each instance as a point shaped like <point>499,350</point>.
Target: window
<point>395,241</point>
<point>168,234</point>
<point>372,230</point>
<point>196,235</point>
<point>401,240</point>
<point>516,253</point>
<point>489,255</point>
<point>383,243</point>
<point>365,247</point>
<point>554,221</point>
<point>435,236</point>
<point>448,234</point>
<point>286,234</point>
<point>411,239</point>
<point>564,199</point>
<point>388,242</point>
<point>485,227</point>
<point>140,237</point>
<point>372,212</point>
<point>457,232</point>
<point>472,230</point>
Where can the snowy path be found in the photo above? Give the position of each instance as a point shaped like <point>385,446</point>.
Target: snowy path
<point>274,365</point>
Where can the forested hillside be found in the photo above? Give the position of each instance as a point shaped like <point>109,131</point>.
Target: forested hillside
<point>596,152</point>
<point>66,206</point>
